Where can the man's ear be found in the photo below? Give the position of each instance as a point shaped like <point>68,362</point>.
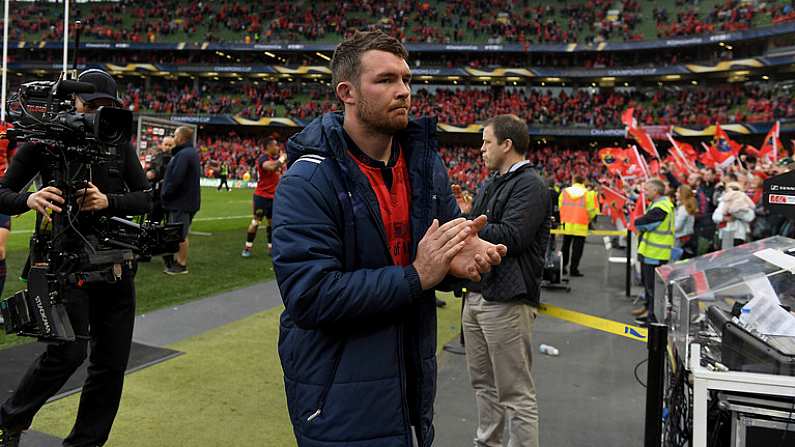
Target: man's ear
<point>346,92</point>
<point>508,145</point>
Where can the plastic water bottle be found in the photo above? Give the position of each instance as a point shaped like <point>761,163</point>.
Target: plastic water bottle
<point>549,350</point>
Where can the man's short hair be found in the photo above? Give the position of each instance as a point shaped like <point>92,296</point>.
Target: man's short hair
<point>510,127</point>
<point>657,184</point>
<point>578,179</point>
<point>184,134</point>
<point>346,64</point>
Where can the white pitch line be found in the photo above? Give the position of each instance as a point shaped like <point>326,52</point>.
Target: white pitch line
<point>199,219</point>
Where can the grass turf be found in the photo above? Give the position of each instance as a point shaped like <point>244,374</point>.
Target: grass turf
<point>226,390</point>
<point>214,260</point>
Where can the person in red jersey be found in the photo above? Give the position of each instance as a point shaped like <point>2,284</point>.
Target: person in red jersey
<point>6,152</point>
<point>269,167</point>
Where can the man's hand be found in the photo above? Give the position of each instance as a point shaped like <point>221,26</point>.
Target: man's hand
<point>437,248</point>
<point>477,256</point>
<point>91,199</point>
<point>463,199</point>
<point>45,199</point>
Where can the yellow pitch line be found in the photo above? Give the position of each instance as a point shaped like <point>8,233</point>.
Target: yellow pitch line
<point>601,324</point>
<point>596,232</point>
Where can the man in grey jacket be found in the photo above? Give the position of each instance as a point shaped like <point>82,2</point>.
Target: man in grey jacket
<point>499,312</point>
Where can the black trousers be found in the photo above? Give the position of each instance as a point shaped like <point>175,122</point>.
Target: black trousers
<point>576,245</point>
<point>223,183</point>
<point>647,278</point>
<point>106,314</point>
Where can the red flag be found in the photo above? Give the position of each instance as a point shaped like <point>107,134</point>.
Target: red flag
<point>627,119</point>
<point>638,160</point>
<point>752,151</point>
<point>613,159</point>
<point>638,210</point>
<point>706,158</point>
<point>654,168</point>
<point>612,200</point>
<point>690,152</point>
<point>677,167</point>
<point>683,153</point>
<point>772,144</point>
<point>644,140</point>
<point>723,149</point>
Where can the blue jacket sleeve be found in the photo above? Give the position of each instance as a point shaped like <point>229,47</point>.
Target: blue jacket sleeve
<point>307,259</point>
<point>651,220</point>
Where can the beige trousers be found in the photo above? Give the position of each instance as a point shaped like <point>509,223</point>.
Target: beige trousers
<point>499,357</point>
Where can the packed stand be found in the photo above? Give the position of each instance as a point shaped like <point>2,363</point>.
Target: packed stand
<point>732,15</point>
<point>251,100</point>
<point>240,153</point>
<point>465,166</point>
<point>492,21</point>
<point>733,103</point>
<point>603,108</point>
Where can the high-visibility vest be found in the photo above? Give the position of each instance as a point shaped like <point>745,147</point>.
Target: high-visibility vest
<point>593,197</point>
<point>574,213</point>
<point>657,243</point>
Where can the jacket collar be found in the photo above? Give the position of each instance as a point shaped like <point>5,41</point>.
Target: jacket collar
<point>179,148</point>
<point>325,136</point>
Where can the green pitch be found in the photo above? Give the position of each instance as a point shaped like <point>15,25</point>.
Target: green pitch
<point>214,259</point>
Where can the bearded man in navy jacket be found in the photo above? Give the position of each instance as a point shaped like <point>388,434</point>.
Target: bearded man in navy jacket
<point>365,227</point>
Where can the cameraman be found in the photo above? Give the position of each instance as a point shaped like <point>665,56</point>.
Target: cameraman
<point>100,312</point>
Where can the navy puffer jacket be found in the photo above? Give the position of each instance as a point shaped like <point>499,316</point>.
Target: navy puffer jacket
<point>357,340</point>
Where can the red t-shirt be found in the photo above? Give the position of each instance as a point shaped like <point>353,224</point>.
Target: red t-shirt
<point>6,152</point>
<point>266,180</point>
<point>394,201</point>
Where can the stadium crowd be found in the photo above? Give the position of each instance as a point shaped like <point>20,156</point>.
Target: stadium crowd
<point>559,164</point>
<point>439,22</point>
<point>600,108</point>
<point>702,223</point>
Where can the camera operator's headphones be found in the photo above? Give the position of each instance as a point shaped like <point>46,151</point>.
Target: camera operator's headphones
<point>104,86</point>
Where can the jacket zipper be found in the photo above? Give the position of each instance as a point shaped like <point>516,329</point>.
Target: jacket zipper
<point>327,388</point>
<point>404,401</point>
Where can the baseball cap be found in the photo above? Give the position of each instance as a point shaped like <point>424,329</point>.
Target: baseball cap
<point>104,85</point>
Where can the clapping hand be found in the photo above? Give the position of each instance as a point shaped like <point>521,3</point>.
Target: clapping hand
<point>477,256</point>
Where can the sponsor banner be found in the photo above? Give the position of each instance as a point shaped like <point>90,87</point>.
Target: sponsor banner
<point>238,184</point>
<point>462,72</point>
<point>779,195</point>
<point>576,132</point>
<point>757,33</point>
<point>204,119</point>
<point>726,65</point>
<point>781,199</point>
<point>657,132</point>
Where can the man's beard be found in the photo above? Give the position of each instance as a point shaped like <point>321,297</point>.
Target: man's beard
<point>380,121</point>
